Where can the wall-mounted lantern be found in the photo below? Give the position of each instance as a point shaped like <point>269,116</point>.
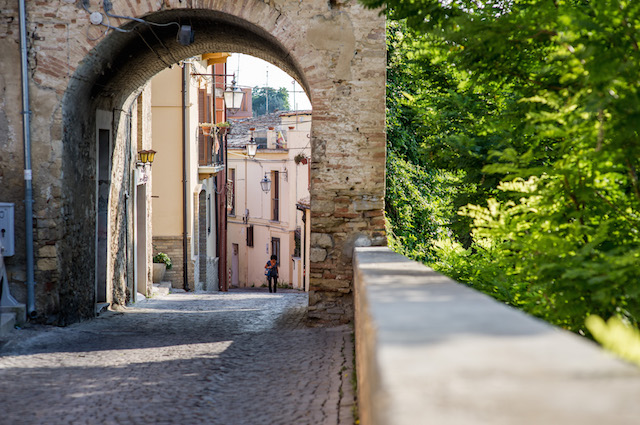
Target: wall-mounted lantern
<point>252,149</point>
<point>233,97</point>
<point>265,183</point>
<point>252,146</point>
<point>146,157</point>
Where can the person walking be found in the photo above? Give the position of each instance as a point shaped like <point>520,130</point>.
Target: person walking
<point>271,271</point>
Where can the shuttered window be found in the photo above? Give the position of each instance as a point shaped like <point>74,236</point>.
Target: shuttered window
<point>204,116</point>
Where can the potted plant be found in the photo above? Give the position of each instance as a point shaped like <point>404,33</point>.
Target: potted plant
<point>161,263</point>
<point>223,127</point>
<point>298,158</point>
<point>206,128</point>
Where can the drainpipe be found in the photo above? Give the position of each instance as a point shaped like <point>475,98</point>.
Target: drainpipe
<point>28,188</point>
<point>185,247</point>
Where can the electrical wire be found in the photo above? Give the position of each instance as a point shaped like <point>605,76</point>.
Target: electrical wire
<point>152,49</point>
<point>163,45</point>
<point>107,6</point>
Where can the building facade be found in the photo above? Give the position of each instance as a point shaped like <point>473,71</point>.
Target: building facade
<point>187,224</point>
<point>269,222</point>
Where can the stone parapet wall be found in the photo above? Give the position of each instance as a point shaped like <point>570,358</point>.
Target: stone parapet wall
<point>430,350</point>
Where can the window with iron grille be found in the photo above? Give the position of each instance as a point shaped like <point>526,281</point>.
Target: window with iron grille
<point>250,235</point>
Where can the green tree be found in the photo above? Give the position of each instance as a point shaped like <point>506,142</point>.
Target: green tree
<point>542,112</point>
<point>278,100</point>
<point>419,199</point>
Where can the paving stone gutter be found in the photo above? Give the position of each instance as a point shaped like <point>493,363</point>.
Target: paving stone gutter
<point>430,350</point>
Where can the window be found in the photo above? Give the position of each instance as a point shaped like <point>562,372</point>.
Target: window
<point>275,196</point>
<point>231,191</point>
<point>250,235</point>
<point>275,247</point>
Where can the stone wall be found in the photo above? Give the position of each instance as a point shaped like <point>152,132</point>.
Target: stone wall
<point>335,50</point>
<point>172,246</point>
<point>430,350</point>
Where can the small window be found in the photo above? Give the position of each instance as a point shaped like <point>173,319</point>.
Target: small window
<point>250,235</point>
<point>275,248</point>
<point>231,188</point>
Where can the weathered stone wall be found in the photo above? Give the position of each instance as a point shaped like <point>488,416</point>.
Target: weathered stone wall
<point>336,51</point>
<point>144,142</point>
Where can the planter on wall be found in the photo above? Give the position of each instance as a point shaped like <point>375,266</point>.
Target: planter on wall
<point>159,270</point>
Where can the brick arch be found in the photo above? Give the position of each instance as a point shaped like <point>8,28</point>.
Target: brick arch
<point>336,51</point>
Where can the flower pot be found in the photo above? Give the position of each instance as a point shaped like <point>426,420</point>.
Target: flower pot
<point>159,270</point>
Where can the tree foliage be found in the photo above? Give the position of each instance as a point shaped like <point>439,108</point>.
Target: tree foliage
<point>538,102</point>
<point>278,100</point>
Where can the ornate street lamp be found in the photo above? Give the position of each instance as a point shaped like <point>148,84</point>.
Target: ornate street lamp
<point>252,146</point>
<point>252,149</point>
<point>233,97</point>
<point>265,183</point>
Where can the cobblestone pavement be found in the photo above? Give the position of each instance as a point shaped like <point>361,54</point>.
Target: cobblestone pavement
<point>242,357</point>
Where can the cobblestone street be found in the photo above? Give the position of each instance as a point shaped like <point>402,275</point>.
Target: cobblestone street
<point>242,357</point>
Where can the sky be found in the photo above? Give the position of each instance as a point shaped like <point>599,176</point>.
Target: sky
<point>251,71</point>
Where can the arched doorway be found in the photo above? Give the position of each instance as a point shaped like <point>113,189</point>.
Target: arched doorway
<point>336,52</point>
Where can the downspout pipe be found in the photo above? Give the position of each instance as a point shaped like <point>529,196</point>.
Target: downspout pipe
<point>28,174</point>
<point>185,245</point>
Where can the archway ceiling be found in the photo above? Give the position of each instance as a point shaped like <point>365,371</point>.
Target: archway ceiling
<point>123,62</point>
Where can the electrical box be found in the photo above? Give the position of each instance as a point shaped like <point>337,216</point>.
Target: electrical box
<point>7,229</point>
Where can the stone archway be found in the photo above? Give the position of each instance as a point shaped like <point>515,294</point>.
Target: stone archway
<point>336,51</point>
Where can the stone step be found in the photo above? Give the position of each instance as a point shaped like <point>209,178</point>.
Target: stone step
<point>162,288</point>
<point>101,307</point>
<point>19,312</point>
<point>7,323</point>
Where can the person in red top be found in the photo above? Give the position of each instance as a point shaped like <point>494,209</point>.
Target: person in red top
<point>271,271</point>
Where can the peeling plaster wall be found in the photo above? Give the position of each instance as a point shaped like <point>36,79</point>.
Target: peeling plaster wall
<point>336,51</point>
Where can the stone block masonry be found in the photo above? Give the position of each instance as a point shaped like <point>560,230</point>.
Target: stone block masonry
<point>336,51</point>
<point>172,246</point>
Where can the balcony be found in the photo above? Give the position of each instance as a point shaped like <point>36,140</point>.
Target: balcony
<point>210,154</point>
